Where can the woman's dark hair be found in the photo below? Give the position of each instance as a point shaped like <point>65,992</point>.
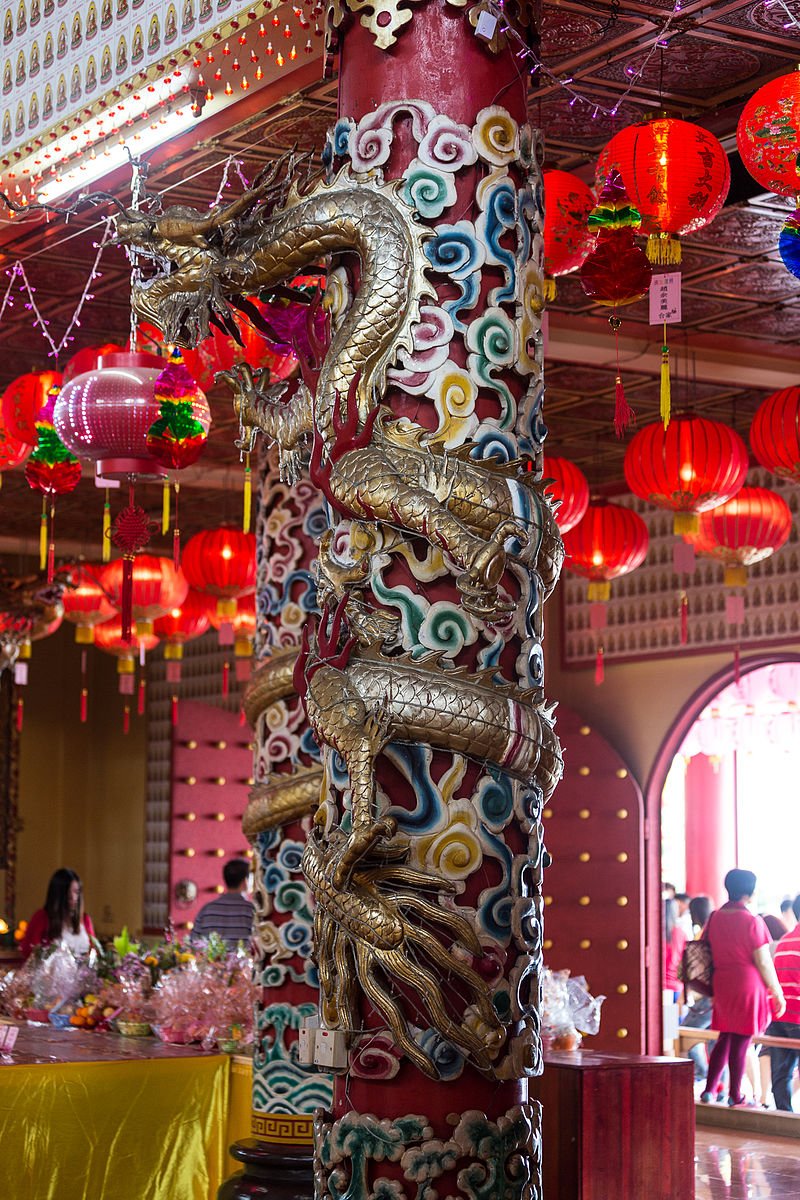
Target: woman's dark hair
<point>700,909</point>
<point>775,926</point>
<point>56,904</point>
<point>670,917</point>
<point>739,883</point>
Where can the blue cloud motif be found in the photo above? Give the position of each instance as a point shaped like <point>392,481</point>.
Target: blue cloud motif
<point>499,216</point>
<point>446,1058</point>
<point>290,855</point>
<point>456,251</point>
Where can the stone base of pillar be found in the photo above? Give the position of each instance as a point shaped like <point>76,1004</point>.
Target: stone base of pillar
<point>267,1175</point>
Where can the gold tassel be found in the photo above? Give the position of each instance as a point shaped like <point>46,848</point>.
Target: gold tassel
<point>248,494</point>
<point>666,396</point>
<point>663,249</point>
<point>43,536</point>
<point>549,289</point>
<point>165,508</point>
<point>106,548</point>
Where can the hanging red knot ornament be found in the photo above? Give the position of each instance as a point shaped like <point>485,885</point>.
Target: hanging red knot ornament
<point>130,533</point>
<point>53,471</point>
<point>617,272</point>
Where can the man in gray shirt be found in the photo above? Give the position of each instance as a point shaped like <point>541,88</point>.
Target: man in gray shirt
<point>231,914</point>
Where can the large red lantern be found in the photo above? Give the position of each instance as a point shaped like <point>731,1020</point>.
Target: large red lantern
<point>775,433</point>
<point>567,238</point>
<point>12,451</point>
<point>768,135</point>
<point>86,603</point>
<point>677,175</point>
<point>222,563</point>
<point>220,351</point>
<point>567,485</point>
<point>180,625</point>
<point>108,636</point>
<point>157,587</point>
<point>691,466</point>
<point>744,530</point>
<point>23,401</point>
<point>609,541</point>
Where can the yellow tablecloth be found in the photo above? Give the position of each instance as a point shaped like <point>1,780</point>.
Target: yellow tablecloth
<point>137,1130</point>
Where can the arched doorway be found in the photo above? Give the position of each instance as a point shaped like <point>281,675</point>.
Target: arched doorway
<point>724,799</point>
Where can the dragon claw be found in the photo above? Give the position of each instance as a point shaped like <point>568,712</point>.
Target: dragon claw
<point>359,845</point>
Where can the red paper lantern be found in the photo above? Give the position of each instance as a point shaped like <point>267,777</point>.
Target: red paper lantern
<point>222,563</point>
<point>86,604</point>
<point>187,620</point>
<point>108,636</point>
<point>691,466</point>
<point>86,359</point>
<point>677,175</point>
<point>768,135</point>
<point>104,414</point>
<point>569,486</point>
<point>608,542</point>
<point>12,451</point>
<point>744,530</point>
<point>157,587</point>
<point>567,238</point>
<point>220,351</point>
<point>775,434</point>
<point>23,401</point>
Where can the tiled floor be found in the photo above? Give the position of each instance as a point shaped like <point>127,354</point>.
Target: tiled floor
<point>731,1167</point>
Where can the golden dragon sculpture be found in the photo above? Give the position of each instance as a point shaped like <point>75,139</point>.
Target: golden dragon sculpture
<point>373,920</point>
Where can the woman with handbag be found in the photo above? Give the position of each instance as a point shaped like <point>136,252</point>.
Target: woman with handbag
<point>744,977</point>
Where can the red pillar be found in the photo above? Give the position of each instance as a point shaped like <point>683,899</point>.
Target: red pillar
<point>710,825</point>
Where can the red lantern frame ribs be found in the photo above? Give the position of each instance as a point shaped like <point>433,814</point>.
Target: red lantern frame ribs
<point>691,466</point>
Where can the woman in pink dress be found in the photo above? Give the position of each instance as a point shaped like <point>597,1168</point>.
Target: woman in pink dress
<point>744,977</point>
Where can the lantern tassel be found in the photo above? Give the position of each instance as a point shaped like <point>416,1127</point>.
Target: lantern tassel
<point>174,711</point>
<point>51,546</point>
<point>165,508</point>
<point>126,719</point>
<point>248,495</point>
<point>666,399</point>
<point>684,618</point>
<point>176,533</point>
<point>663,249</point>
<point>84,705</point>
<point>599,667</point>
<point>106,547</point>
<point>140,698</point>
<point>226,676</point>
<point>623,413</point>
<point>43,536</point>
<point>20,714</point>
<point>549,291</point>
<point>242,717</point>
<point>127,596</point>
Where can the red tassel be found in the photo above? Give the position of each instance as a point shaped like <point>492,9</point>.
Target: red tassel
<point>174,713</point>
<point>84,705</point>
<point>127,596</point>
<point>126,719</point>
<point>51,561</point>
<point>737,675</point>
<point>20,714</point>
<point>242,717</point>
<point>140,697</point>
<point>226,674</point>
<point>599,667</point>
<point>623,413</point>
<point>684,618</point>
